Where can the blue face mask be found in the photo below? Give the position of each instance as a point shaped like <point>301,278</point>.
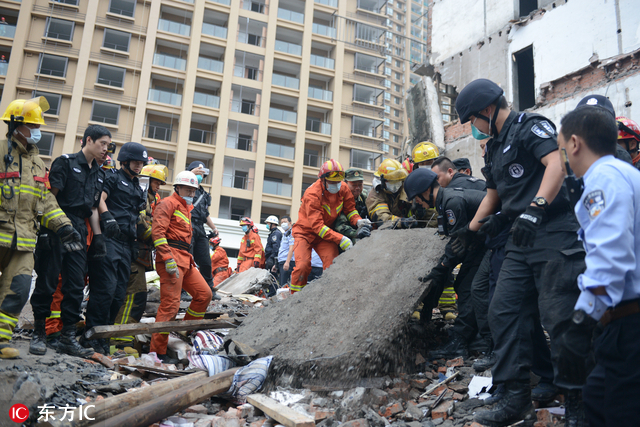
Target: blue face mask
<point>245,228</point>
<point>333,188</point>
<point>477,134</point>
<point>189,200</point>
<point>199,177</point>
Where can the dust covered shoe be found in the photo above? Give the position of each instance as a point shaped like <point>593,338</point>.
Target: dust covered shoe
<point>513,407</point>
<point>92,344</point>
<point>496,396</point>
<point>38,344</point>
<point>53,340</point>
<point>456,347</point>
<point>8,352</point>
<point>544,392</point>
<point>485,362</point>
<point>69,345</point>
<point>450,315</point>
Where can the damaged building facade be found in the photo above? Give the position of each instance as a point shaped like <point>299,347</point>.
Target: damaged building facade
<point>546,55</point>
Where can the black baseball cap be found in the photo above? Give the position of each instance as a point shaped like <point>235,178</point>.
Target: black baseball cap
<point>462,163</point>
<point>598,101</point>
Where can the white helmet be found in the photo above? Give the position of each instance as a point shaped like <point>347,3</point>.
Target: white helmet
<point>272,219</point>
<point>186,178</point>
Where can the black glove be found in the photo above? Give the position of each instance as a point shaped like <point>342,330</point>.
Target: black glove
<point>98,247</point>
<point>493,224</point>
<point>269,264</point>
<point>70,238</point>
<point>44,242</point>
<point>256,264</point>
<point>407,223</point>
<point>574,344</point>
<point>212,234</point>
<point>365,231</point>
<point>109,225</point>
<point>463,240</point>
<point>526,225</point>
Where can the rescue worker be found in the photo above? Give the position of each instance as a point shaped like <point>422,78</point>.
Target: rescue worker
<point>200,216</point>
<point>629,138</point>
<point>525,181</point>
<point>77,182</point>
<point>450,176</point>
<point>176,267</point>
<point>321,204</point>
<point>424,154</point>
<point>456,207</point>
<point>609,219</point>
<point>407,164</point>
<point>121,202</point>
<point>463,165</point>
<point>24,201</point>
<point>355,181</point>
<point>135,300</point>
<point>286,247</point>
<point>250,254</point>
<point>388,201</point>
<point>273,245</point>
<point>219,261</point>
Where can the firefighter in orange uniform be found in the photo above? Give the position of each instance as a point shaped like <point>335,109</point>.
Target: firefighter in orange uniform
<point>321,205</point>
<point>251,250</point>
<point>171,232</point>
<point>219,262</point>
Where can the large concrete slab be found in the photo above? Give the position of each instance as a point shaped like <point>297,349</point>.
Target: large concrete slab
<point>352,322</point>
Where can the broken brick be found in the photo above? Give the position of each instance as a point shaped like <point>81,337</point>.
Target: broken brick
<point>320,415</point>
<point>457,396</point>
<point>439,390</point>
<point>258,423</point>
<point>218,422</point>
<point>442,370</point>
<point>442,410</point>
<point>361,422</point>
<point>391,410</point>
<point>545,419</point>
<point>458,388</point>
<point>419,359</point>
<point>378,397</point>
<point>198,409</point>
<point>231,413</point>
<point>455,362</point>
<point>420,384</point>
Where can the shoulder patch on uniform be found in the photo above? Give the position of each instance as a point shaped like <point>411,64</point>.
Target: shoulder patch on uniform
<point>516,170</point>
<point>543,129</point>
<point>594,203</point>
<point>77,170</point>
<point>521,117</point>
<point>274,238</point>
<point>66,156</point>
<point>472,179</point>
<point>451,218</point>
<point>124,183</point>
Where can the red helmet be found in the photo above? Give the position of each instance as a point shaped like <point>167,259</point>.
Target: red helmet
<point>408,165</point>
<point>627,128</point>
<point>245,220</point>
<point>215,241</point>
<point>331,170</point>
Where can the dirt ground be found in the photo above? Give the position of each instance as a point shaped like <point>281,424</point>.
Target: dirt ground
<point>352,322</point>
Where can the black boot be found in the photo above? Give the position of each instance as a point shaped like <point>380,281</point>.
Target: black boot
<point>573,410</point>
<point>95,345</point>
<point>485,362</point>
<point>515,406</point>
<point>214,295</point>
<point>69,345</point>
<point>39,340</point>
<point>456,347</point>
<point>496,396</point>
<point>544,392</point>
<point>106,345</point>
<point>53,340</point>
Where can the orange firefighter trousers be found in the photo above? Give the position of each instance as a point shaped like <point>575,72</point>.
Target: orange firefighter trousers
<point>326,250</point>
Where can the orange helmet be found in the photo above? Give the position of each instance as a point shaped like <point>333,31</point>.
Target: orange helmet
<point>245,220</point>
<point>627,128</point>
<point>331,170</point>
<point>215,241</point>
<point>408,165</point>
<point>109,163</point>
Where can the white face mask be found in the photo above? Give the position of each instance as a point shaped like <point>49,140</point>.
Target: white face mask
<point>285,226</point>
<point>333,187</point>
<point>34,138</point>
<point>394,186</point>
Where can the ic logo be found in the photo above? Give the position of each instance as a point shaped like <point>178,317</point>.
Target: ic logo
<point>18,413</point>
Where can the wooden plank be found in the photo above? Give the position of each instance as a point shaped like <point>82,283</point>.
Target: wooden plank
<point>432,387</point>
<point>281,413</point>
<point>149,328</point>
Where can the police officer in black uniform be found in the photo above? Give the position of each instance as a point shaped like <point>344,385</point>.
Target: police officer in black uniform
<point>455,207</point>
<point>121,202</point>
<point>77,181</point>
<point>199,217</point>
<point>543,255</point>
<point>450,176</point>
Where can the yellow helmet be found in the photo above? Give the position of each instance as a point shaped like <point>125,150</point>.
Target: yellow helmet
<point>157,171</point>
<point>424,151</point>
<point>27,111</point>
<point>391,170</point>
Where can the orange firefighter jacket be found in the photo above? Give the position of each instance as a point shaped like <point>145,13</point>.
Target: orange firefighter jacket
<point>219,259</point>
<point>250,247</point>
<point>319,211</point>
<point>171,230</point>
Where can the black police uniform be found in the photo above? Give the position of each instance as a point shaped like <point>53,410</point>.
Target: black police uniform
<point>125,200</point>
<point>272,248</point>
<point>456,208</point>
<point>199,241</point>
<point>80,186</point>
<point>543,276</point>
<point>461,180</point>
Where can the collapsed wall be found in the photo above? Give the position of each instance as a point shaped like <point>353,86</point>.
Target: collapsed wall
<point>353,321</point>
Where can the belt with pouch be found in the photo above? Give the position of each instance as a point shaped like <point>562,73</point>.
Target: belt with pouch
<point>179,244</point>
<point>626,308</point>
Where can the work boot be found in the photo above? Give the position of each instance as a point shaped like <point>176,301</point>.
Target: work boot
<point>544,392</point>
<point>485,362</point>
<point>95,345</point>
<point>573,409</point>
<point>184,296</point>
<point>515,406</point>
<point>69,345</point>
<point>106,345</point>
<point>8,352</point>
<point>456,347</point>
<point>38,343</point>
<point>53,340</point>
<point>496,396</point>
<point>214,295</point>
<point>450,315</point>
<point>168,360</point>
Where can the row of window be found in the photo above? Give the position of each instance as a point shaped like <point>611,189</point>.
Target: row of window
<point>118,7</point>
<point>61,29</point>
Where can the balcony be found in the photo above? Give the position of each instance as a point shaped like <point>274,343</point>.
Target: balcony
<point>251,39</point>
<point>202,136</point>
<point>237,181</point>
<point>247,73</point>
<point>279,150</point>
<point>165,97</point>
<point>158,132</point>
<point>210,64</point>
<point>214,30</point>
<point>277,188</point>
<point>174,27</point>
<point>255,6</point>
<point>324,30</point>
<point>315,125</point>
<point>169,61</point>
<point>8,31</point>
<point>290,48</point>
<point>283,115</point>
<point>211,101</point>
<point>285,81</point>
<point>321,61</point>
<point>324,95</point>
<point>245,107</point>
<point>330,3</point>
<point>224,2</point>
<point>3,68</point>
<point>290,15</point>
<point>241,143</point>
